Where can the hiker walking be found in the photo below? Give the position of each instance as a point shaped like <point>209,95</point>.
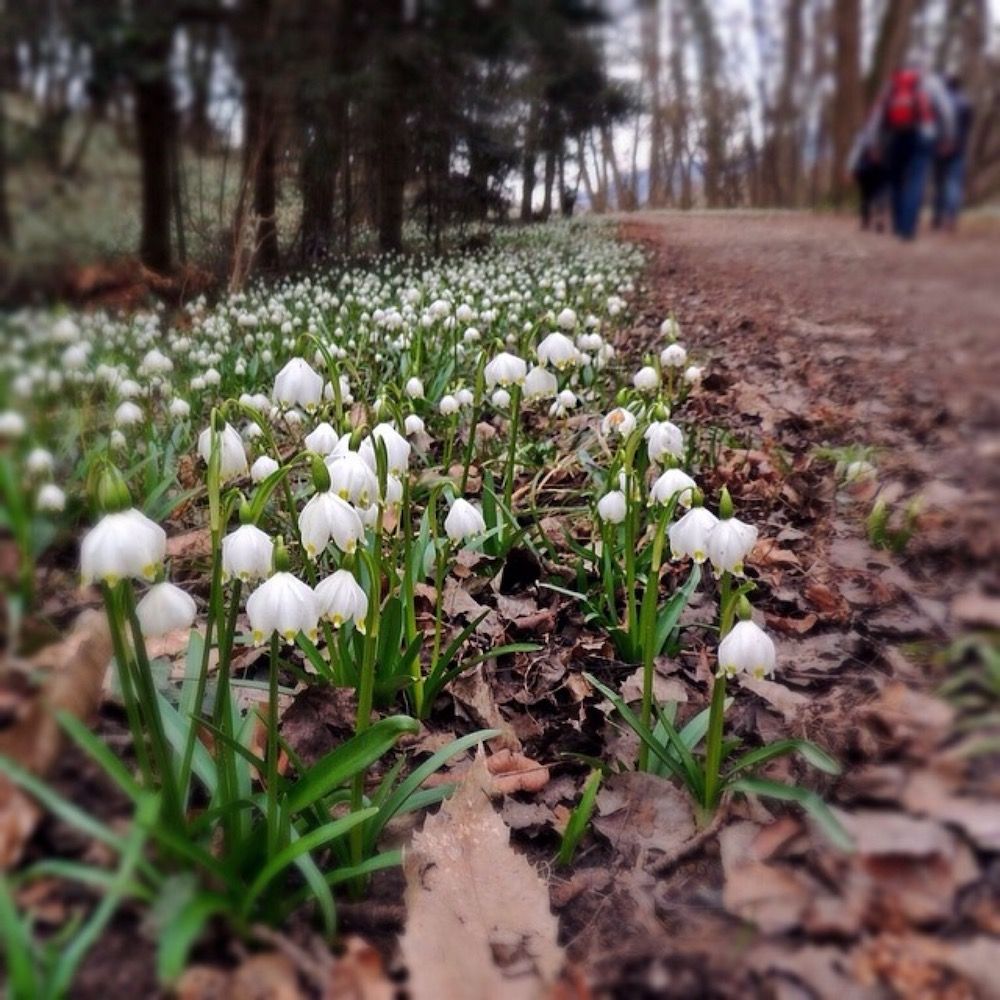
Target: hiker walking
<point>916,116</point>
<point>949,163</point>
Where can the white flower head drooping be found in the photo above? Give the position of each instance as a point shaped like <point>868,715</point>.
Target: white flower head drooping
<point>283,605</point>
<point>232,453</point>
<point>121,546</point>
<point>747,649</point>
<point>464,521</point>
<point>165,608</point>
<point>297,384</point>
<point>342,599</point>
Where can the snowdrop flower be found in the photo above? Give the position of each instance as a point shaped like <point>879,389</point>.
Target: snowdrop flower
<point>51,499</point>
<point>413,424</point>
<point>156,363</point>
<point>322,440</point>
<point>540,383</point>
<point>465,397</point>
<point>500,399</point>
<point>123,545</point>
<point>397,449</point>
<point>128,414</point>
<point>689,536</point>
<point>504,370</point>
<point>283,604</point>
<point>612,507</point>
<point>165,608</point>
<point>567,399</point>
<point>328,516</point>
<point>341,599</point>
<point>619,421</point>
<point>179,409</point>
<point>297,384</point>
<point>39,462</point>
<point>747,649</point>
<point>557,350</point>
<point>232,454</point>
<point>693,375</point>
<point>264,466</point>
<point>566,319</point>
<point>664,438</point>
<point>65,331</point>
<point>117,441</point>
<point>75,358</point>
<point>414,388</point>
<point>646,379</point>
<point>859,471</point>
<point>673,356</point>
<point>448,405</point>
<point>351,479</point>
<point>673,482</point>
<point>464,521</point>
<point>728,544</point>
<point>670,328</point>
<point>246,554</point>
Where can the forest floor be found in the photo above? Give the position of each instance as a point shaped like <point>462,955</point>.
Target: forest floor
<point>819,343</point>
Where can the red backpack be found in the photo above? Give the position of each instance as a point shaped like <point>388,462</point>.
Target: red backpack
<point>907,105</point>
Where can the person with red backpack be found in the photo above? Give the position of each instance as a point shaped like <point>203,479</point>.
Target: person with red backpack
<point>916,118</point>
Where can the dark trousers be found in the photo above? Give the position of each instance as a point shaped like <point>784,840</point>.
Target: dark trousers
<point>949,182</point>
<point>908,157</point>
<point>871,181</point>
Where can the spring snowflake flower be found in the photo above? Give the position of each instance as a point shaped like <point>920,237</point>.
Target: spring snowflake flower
<point>179,409</point>
<point>283,605</point>
<point>504,370</point>
<point>448,405</point>
<point>121,546</point>
<point>322,440</point>
<point>464,521</point>
<point>328,516</point>
<point>689,536</point>
<point>664,438</point>
<point>414,388</point>
<point>500,399</point>
<point>129,414</point>
<point>612,507</point>
<point>673,356</point>
<point>246,554</point>
<point>693,375</point>
<point>413,424</point>
<point>352,479</point>
<point>232,454</point>
<point>566,319</point>
<point>165,608</point>
<point>729,543</point>
<point>619,421</point>
<point>297,384</point>
<point>51,499</point>
<point>12,425</point>
<point>341,599</point>
<point>673,482</point>
<point>747,649</point>
<point>646,379</point>
<point>264,466</point>
<point>540,383</point>
<point>558,350</point>
<point>39,462</point>
<point>397,449</point>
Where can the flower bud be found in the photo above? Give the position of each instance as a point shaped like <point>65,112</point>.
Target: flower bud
<point>320,474</point>
<point>246,514</point>
<point>725,504</point>
<point>109,493</point>
<point>744,612</point>
<point>281,560</point>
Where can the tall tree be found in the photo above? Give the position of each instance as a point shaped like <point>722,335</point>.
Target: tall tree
<point>848,92</point>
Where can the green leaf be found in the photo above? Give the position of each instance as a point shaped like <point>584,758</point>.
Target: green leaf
<point>808,751</point>
<point>579,818</point>
<point>178,935</point>
<point>813,805</point>
<point>18,947</point>
<point>101,753</point>
<point>671,611</point>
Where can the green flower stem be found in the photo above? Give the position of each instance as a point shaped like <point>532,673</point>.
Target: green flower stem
<point>630,622</point>
<point>477,405</point>
<point>515,421</point>
<point>273,820</point>
<point>449,442</point>
<point>728,598</point>
<point>713,744</point>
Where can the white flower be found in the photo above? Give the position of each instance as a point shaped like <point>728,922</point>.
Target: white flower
<point>264,466</point>
<point>282,604</point>
<point>129,414</point>
<point>448,405</point>
<point>179,409</point>
<point>673,482</point>
<point>298,385</point>
<point>557,350</point>
<point>673,356</point>
<point>859,471</point>
<point>500,399</point>
<point>540,383</point>
<point>165,608</point>
<point>413,424</point>
<point>664,438</point>
<point>504,370</point>
<point>39,462</point>
<point>692,375</point>
<point>327,516</point>
<point>729,543</point>
<point>232,454</point>
<point>670,328</point>
<point>566,319</point>
<point>689,535</point>
<point>465,397</point>
<point>619,421</point>
<point>117,441</point>
<point>612,507</point>
<point>414,388</point>
<point>121,546</point>
<point>341,599</point>
<point>322,440</point>
<point>747,649</point>
<point>156,363</point>
<point>464,521</point>
<point>646,379</point>
<point>247,554</point>
<point>397,449</point>
<point>393,492</point>
<point>351,479</point>
<point>51,499</point>
<point>567,399</point>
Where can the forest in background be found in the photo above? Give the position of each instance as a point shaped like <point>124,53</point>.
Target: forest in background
<point>259,135</point>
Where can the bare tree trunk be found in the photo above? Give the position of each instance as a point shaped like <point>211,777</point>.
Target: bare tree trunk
<point>715,136</point>
<point>528,162</point>
<point>788,160</point>
<point>890,45</point>
<point>6,226</point>
<point>390,120</point>
<point>651,63</point>
<point>848,95</point>
<point>593,196</point>
<point>550,179</point>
